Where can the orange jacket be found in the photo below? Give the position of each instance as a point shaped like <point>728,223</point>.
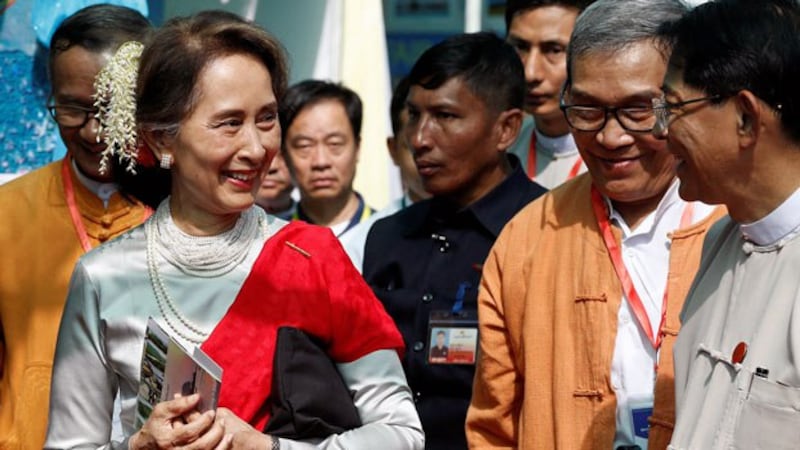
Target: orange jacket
<point>39,250</point>
<point>548,308</point>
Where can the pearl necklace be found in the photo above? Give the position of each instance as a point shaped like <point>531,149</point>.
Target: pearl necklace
<point>206,256</point>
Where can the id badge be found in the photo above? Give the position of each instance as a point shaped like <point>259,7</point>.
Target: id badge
<point>640,410</point>
<point>452,337</point>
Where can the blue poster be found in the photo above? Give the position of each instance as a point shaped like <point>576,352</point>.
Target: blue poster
<point>28,137</point>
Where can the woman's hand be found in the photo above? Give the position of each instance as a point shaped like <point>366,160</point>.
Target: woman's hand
<point>245,437</point>
<point>176,423</point>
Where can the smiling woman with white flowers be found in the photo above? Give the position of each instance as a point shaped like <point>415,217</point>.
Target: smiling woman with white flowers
<point>212,268</point>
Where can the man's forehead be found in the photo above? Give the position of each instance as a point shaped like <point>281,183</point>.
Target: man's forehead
<point>540,26</point>
<point>545,14</point>
<point>452,89</point>
<point>637,68</point>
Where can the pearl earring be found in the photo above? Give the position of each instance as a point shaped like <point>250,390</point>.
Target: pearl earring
<point>166,161</point>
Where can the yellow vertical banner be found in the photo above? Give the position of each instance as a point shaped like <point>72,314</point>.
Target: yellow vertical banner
<point>364,67</point>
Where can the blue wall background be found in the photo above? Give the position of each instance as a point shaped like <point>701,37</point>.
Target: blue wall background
<point>29,138</point>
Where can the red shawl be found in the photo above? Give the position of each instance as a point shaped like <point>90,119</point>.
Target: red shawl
<point>303,279</point>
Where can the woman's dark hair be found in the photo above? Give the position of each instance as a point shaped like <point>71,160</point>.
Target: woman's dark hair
<point>169,71</point>
<point>171,65</point>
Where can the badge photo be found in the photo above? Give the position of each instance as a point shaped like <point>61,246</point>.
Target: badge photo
<point>453,337</point>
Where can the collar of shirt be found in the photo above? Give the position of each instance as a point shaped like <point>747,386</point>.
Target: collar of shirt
<point>287,213</point>
<point>776,225</point>
<point>492,211</point>
<point>649,223</point>
<point>344,226</point>
<point>401,202</point>
<point>557,147</point>
<point>103,191</point>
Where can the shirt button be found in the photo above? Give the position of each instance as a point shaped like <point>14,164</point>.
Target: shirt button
<point>105,192</point>
<point>417,396</point>
<point>102,236</point>
<point>427,297</point>
<point>418,346</point>
<point>106,221</point>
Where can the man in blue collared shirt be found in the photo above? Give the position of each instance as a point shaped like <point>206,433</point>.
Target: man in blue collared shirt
<point>424,263</point>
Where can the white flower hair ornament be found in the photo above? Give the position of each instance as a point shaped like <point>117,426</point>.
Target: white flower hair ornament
<point>115,100</point>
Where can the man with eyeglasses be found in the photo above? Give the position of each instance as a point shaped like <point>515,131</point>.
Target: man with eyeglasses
<point>55,214</point>
<point>580,295</point>
<point>731,116</point>
<point>539,31</point>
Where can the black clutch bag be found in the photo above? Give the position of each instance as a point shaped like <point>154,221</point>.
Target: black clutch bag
<point>309,399</point>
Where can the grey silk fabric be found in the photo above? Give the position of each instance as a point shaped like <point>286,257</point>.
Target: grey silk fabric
<point>748,294</point>
<point>100,346</point>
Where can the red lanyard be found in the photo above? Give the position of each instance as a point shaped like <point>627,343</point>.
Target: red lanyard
<point>600,212</point>
<point>75,214</point>
<point>532,160</point>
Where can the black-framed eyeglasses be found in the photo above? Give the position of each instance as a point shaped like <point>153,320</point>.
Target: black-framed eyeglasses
<point>663,109</point>
<point>637,119</point>
<point>71,116</point>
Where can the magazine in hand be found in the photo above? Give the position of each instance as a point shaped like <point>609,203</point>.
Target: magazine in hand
<point>168,369</point>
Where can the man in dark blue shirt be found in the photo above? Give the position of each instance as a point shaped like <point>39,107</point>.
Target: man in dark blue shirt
<point>424,263</point>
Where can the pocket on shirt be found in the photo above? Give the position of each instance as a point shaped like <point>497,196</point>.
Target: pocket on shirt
<point>592,348</point>
<point>769,418</point>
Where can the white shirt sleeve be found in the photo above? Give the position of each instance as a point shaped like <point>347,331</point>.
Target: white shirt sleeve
<point>384,403</point>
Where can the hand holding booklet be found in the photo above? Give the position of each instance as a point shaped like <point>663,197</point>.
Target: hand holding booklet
<point>168,368</point>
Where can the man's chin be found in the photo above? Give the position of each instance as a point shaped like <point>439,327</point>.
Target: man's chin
<point>544,110</point>
<point>92,170</point>
<point>324,194</point>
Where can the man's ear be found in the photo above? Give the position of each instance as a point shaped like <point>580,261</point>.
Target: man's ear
<point>750,111</point>
<point>358,149</point>
<point>287,159</point>
<point>508,124</point>
<point>158,141</point>
<point>391,145</point>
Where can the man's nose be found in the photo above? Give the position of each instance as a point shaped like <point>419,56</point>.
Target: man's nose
<point>613,135</point>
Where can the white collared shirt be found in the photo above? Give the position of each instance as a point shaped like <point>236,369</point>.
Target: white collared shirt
<point>556,158</point>
<point>777,225</point>
<point>645,253</point>
<point>103,191</point>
